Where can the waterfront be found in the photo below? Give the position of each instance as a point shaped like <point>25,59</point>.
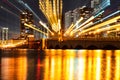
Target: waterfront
<point>60,65</point>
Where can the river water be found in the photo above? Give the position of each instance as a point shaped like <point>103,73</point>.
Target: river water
<point>26,64</point>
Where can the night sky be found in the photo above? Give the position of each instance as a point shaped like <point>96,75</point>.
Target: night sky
<point>10,11</point>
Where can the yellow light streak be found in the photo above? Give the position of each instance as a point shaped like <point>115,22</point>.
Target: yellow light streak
<point>101,24</point>
<point>68,30</point>
<point>52,9</point>
<point>12,45</point>
<point>87,21</point>
<point>59,25</point>
<point>45,26</point>
<point>72,26</point>
<point>35,29</point>
<point>107,29</point>
<point>87,25</point>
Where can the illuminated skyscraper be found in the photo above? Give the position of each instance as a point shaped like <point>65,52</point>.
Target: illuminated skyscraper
<point>4,34</point>
<point>94,3</point>
<point>71,17</point>
<point>68,19</point>
<point>76,15</point>
<point>26,17</point>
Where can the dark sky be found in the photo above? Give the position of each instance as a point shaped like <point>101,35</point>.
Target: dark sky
<point>9,13</point>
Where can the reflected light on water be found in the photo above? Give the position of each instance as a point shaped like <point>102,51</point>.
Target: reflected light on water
<point>62,65</point>
<point>84,65</point>
<point>14,68</point>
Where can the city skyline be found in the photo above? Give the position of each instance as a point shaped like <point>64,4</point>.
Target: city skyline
<point>10,10</point>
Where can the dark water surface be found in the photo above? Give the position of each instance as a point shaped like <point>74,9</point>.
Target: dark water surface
<point>60,65</point>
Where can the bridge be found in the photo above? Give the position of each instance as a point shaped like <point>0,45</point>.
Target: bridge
<point>66,43</point>
<point>84,43</point>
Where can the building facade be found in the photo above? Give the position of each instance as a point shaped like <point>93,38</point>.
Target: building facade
<point>26,17</point>
<point>76,14</point>
<point>4,34</point>
<point>68,19</point>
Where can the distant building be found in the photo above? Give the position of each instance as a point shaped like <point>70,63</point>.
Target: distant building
<point>4,34</point>
<point>71,17</point>
<point>94,3</point>
<point>76,14</point>
<point>26,17</point>
<point>68,19</point>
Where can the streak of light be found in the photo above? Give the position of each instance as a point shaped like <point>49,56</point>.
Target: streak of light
<point>35,29</point>
<point>52,9</point>
<point>13,44</point>
<point>87,21</point>
<point>5,9</point>
<point>45,27</point>
<point>14,6</point>
<point>59,25</point>
<point>25,5</point>
<point>73,25</point>
<point>116,30</point>
<point>86,26</point>
<point>117,12</point>
<point>68,30</point>
<point>101,24</point>
<point>109,29</point>
<point>99,14</point>
<point>110,15</point>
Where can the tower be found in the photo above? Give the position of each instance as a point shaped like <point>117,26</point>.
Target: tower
<point>4,34</point>
<point>26,17</point>
<point>68,19</point>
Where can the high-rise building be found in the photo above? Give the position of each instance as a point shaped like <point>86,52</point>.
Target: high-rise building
<point>4,34</point>
<point>94,3</point>
<point>76,14</point>
<point>26,17</point>
<point>68,19</point>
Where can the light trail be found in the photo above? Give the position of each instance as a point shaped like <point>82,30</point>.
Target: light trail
<point>68,30</point>
<point>35,29</point>
<point>101,24</point>
<point>45,27</point>
<point>87,21</point>
<point>5,9</point>
<point>72,26</point>
<point>25,5</point>
<point>52,9</point>
<point>112,28</point>
<point>110,31</point>
<point>86,26</point>
<point>12,45</point>
<point>14,6</point>
<point>105,18</point>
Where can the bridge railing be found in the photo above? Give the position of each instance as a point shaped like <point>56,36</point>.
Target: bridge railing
<point>91,38</point>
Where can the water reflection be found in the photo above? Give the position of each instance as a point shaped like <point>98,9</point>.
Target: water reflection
<point>60,65</point>
<point>13,68</point>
